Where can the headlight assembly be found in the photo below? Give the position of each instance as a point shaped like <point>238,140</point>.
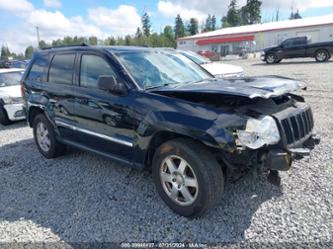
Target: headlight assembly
<point>259,132</point>
<point>12,100</point>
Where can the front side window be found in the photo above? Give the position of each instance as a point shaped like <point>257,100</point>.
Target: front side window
<point>61,69</point>
<point>10,79</point>
<point>38,69</point>
<point>287,43</point>
<point>153,69</point>
<point>92,67</point>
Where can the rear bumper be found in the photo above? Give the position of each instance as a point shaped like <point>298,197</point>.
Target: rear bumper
<point>15,112</point>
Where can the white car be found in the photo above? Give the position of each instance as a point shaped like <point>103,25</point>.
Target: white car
<point>219,70</point>
<point>11,101</point>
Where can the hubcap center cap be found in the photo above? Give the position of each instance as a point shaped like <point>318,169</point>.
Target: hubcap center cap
<point>179,179</point>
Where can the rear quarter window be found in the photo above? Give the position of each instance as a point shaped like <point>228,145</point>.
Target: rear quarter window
<point>61,69</point>
<point>38,69</point>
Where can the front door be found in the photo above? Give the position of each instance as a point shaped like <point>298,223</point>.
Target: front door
<point>104,121</point>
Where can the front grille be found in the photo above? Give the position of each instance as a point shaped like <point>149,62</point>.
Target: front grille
<point>298,127</point>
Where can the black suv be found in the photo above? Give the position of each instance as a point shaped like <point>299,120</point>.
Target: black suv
<point>154,109</point>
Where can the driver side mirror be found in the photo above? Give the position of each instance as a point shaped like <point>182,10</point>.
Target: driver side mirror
<point>110,84</point>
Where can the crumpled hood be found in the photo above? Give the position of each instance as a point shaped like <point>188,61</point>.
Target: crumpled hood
<point>11,91</point>
<point>250,87</point>
<point>217,68</point>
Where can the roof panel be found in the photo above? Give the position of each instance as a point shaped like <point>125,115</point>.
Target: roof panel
<point>248,29</point>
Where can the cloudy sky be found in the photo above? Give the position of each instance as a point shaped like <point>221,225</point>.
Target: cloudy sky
<point>102,18</point>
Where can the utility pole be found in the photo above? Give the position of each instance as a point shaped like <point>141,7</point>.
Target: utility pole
<point>38,39</point>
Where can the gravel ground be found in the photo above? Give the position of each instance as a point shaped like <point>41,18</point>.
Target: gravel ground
<point>82,197</point>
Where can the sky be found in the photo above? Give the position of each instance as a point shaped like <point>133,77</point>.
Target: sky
<point>102,18</point>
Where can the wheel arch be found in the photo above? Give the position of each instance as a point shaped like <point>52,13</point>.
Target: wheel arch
<point>33,112</point>
<point>163,136</point>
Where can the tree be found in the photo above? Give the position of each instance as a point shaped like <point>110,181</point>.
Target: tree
<point>138,33</point>
<point>5,53</point>
<point>28,52</point>
<point>43,44</point>
<point>92,40</point>
<point>213,25</point>
<point>208,24</point>
<point>193,27</point>
<point>225,23</point>
<point>146,25</point>
<point>253,8</point>
<point>179,27</point>
<point>295,15</point>
<point>233,18</point>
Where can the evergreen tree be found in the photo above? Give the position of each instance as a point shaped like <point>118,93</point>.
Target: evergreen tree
<point>233,18</point>
<point>193,26</point>
<point>5,53</point>
<point>168,32</point>
<point>295,15</point>
<point>138,33</point>
<point>253,8</point>
<point>225,23</point>
<point>244,15</point>
<point>179,27</point>
<point>213,26</point>
<point>208,24</point>
<point>146,25</point>
<point>28,52</point>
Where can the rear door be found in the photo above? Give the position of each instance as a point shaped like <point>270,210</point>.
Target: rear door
<point>103,120</point>
<point>60,91</point>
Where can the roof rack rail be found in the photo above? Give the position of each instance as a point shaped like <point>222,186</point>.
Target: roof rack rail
<point>83,44</point>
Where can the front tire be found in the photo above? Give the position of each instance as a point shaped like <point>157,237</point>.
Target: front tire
<point>322,56</point>
<point>187,177</point>
<point>4,120</point>
<point>45,138</point>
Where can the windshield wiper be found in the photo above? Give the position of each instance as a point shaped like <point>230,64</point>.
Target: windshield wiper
<point>153,87</point>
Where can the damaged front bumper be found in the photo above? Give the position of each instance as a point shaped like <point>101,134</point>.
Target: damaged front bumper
<point>273,158</point>
<point>281,160</point>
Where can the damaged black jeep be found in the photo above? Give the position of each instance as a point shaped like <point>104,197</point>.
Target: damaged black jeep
<point>156,109</point>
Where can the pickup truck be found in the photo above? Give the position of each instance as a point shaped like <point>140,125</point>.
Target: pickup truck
<point>298,47</point>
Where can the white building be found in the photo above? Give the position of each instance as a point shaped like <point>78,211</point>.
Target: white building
<point>256,37</point>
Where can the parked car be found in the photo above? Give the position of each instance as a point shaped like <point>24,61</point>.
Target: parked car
<point>18,64</point>
<point>209,54</point>
<point>219,70</point>
<point>11,101</point>
<point>298,47</point>
<point>169,115</point>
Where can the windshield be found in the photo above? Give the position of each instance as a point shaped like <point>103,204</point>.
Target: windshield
<point>10,79</point>
<point>194,57</point>
<point>153,69</point>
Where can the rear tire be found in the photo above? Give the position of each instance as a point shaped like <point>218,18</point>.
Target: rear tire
<point>4,120</point>
<point>322,56</point>
<point>45,138</point>
<point>271,59</point>
<point>193,183</point>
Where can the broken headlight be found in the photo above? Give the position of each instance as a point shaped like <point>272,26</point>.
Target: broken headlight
<point>12,100</point>
<point>259,132</point>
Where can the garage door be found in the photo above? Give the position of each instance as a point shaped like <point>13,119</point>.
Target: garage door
<point>312,35</point>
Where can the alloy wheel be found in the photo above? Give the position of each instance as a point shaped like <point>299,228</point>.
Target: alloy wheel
<point>179,180</point>
<point>321,56</point>
<point>43,137</point>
